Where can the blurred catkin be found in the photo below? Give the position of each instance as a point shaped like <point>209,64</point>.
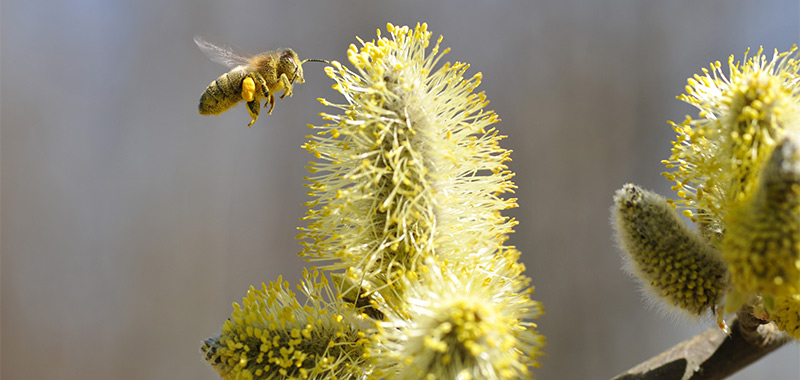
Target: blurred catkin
<point>736,170</point>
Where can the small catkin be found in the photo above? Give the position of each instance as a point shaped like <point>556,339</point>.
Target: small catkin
<point>271,335</point>
<point>672,262</point>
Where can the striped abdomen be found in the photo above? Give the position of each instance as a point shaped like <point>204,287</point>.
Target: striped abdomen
<point>222,93</point>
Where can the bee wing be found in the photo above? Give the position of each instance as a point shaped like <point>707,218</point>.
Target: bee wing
<point>220,54</point>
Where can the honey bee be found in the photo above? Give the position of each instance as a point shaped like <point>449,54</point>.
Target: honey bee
<point>251,79</point>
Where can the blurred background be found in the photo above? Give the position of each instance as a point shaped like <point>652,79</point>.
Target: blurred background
<point>130,223</point>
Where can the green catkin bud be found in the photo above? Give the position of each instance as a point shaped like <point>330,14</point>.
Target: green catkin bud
<point>672,262</point>
<point>762,238</point>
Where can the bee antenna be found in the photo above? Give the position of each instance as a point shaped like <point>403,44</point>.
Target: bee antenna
<point>317,60</point>
<point>307,60</point>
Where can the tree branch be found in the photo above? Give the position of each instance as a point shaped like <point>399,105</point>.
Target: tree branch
<point>712,355</point>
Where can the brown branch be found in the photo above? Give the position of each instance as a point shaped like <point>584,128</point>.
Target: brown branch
<point>712,355</point>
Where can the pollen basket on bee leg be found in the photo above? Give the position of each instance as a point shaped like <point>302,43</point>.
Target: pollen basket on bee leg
<point>248,89</point>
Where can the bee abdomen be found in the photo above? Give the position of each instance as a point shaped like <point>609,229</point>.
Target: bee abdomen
<point>223,93</point>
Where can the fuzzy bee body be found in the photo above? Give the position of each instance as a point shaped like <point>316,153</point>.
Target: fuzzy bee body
<point>251,79</point>
<point>223,93</point>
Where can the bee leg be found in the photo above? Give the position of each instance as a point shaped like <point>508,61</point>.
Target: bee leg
<point>262,84</point>
<point>253,107</point>
<point>287,85</point>
<point>267,94</point>
<point>271,102</point>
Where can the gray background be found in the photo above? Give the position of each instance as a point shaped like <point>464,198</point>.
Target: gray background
<point>130,223</point>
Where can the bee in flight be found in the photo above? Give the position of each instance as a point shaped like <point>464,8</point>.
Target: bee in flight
<point>251,79</point>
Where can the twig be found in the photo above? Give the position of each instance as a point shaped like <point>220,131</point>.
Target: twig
<point>712,355</point>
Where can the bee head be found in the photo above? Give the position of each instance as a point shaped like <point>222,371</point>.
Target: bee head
<point>292,65</point>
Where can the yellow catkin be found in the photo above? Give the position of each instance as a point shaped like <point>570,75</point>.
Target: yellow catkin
<point>742,116</point>
<point>410,183</point>
<point>409,168</point>
<point>464,322</point>
<point>786,315</point>
<point>273,336</point>
<point>762,238</point>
